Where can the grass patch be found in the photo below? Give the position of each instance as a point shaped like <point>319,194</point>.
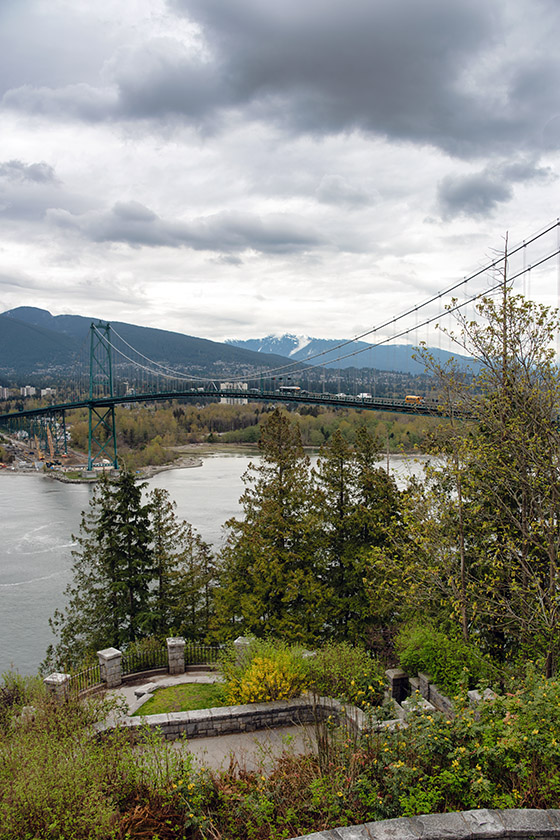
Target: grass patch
<point>184,698</point>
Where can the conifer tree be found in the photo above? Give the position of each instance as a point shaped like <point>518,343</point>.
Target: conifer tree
<point>271,581</point>
<point>358,509</point>
<point>108,599</point>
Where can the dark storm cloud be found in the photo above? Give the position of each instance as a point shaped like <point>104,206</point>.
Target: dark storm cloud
<point>136,225</point>
<point>449,74</point>
<point>479,193</point>
<point>424,72</point>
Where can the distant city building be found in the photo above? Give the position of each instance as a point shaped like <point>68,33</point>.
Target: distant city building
<point>233,386</point>
<point>28,391</point>
<point>48,392</point>
<point>4,393</point>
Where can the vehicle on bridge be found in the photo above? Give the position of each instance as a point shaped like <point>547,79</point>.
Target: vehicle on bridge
<point>289,389</point>
<point>413,399</point>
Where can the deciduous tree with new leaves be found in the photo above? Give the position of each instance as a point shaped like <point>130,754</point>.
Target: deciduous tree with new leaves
<point>493,546</point>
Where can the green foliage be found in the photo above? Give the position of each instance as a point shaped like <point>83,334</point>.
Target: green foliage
<point>358,508</point>
<point>506,755</point>
<point>271,580</point>
<point>266,671</point>
<point>449,661</point>
<point>347,672</point>
<point>137,571</point>
<point>297,566</point>
<point>17,691</point>
<point>56,780</point>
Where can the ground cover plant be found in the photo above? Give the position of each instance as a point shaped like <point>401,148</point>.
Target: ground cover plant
<point>506,755</point>
<point>184,698</point>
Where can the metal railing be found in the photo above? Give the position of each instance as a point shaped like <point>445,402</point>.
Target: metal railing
<point>147,660</point>
<point>197,654</point>
<point>85,679</point>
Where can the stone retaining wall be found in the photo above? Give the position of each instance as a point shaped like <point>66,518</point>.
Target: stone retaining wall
<point>226,720</point>
<point>464,825</point>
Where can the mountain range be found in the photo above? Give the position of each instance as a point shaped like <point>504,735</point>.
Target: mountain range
<point>35,343</point>
<point>32,341</point>
<point>328,352</point>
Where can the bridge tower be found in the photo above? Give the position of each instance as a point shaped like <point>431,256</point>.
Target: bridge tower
<point>102,438</point>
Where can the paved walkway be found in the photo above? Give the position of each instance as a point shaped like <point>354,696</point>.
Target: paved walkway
<point>250,751</point>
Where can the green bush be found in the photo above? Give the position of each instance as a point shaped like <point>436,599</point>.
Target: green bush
<point>347,672</point>
<point>504,754</point>
<point>450,662</point>
<point>266,671</point>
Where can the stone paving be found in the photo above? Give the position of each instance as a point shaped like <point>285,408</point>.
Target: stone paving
<point>252,751</point>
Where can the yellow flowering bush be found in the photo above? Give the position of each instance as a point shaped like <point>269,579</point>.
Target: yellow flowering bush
<point>266,672</point>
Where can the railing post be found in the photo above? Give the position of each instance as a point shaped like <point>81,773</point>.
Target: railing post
<point>398,684</point>
<point>176,655</point>
<point>110,666</point>
<point>57,685</point>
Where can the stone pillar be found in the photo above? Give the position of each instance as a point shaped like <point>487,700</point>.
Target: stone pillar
<point>398,683</point>
<point>110,666</point>
<point>176,655</point>
<point>57,685</point>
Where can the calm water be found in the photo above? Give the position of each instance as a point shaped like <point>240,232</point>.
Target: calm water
<point>40,515</point>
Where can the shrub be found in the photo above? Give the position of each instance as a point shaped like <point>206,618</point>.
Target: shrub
<point>266,671</point>
<point>450,662</point>
<point>348,673</point>
<point>504,754</point>
<point>15,693</point>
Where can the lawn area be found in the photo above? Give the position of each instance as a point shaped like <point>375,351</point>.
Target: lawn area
<point>184,698</point>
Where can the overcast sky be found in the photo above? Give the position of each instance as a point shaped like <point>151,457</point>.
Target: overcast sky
<point>236,168</point>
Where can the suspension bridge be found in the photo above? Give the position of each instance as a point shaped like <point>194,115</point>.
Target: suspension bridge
<point>112,363</point>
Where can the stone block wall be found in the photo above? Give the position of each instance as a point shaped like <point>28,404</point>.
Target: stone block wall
<point>226,720</point>
<point>483,824</point>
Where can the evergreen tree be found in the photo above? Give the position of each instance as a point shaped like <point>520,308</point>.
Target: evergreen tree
<point>192,586</point>
<point>271,581</point>
<point>108,600</point>
<point>358,509</point>
<point>184,572</point>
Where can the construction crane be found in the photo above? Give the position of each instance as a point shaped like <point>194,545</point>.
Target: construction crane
<point>40,455</point>
<point>52,462</point>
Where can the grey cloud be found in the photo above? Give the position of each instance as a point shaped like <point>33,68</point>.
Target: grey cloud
<point>479,193</point>
<point>29,190</point>
<point>164,77</point>
<point>400,68</point>
<point>81,101</point>
<point>429,72</point>
<point>18,280</point>
<point>39,173</point>
<point>228,259</point>
<point>228,232</point>
<point>471,195</point>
